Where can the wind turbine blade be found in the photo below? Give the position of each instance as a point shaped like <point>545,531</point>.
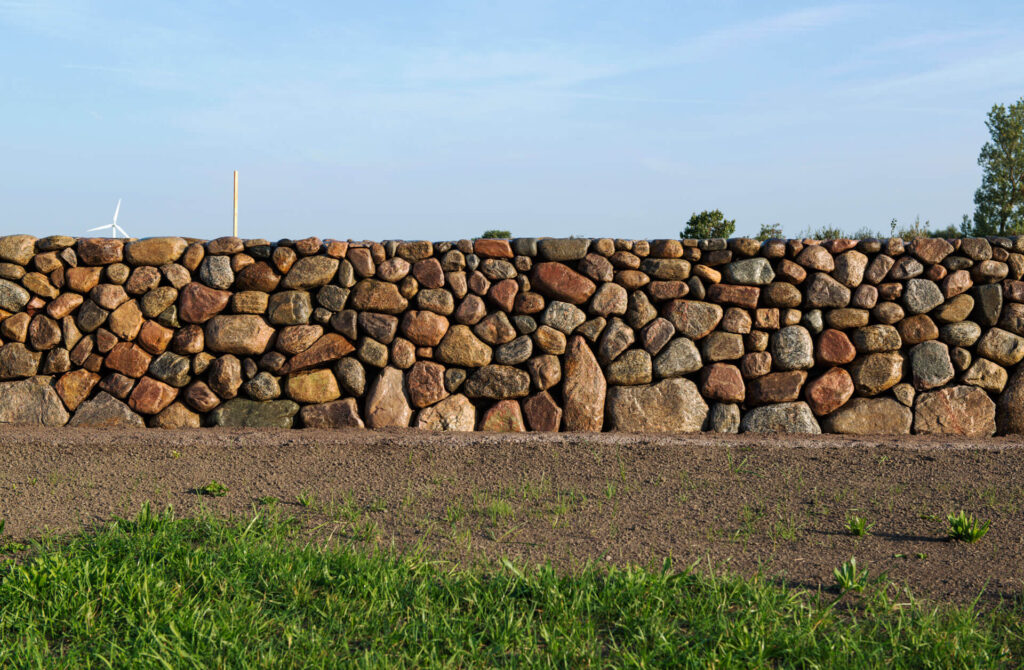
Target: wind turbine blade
<point>98,228</point>
<point>116,210</point>
<point>121,230</point>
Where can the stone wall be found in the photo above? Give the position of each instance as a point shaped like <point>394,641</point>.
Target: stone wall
<point>847,336</point>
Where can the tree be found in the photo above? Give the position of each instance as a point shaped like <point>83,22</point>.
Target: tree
<point>707,225</point>
<point>496,235</point>
<point>770,231</point>
<point>999,203</point>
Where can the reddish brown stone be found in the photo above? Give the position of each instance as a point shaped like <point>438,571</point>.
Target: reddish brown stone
<point>188,340</point>
<point>492,248</point>
<point>424,328</point>
<point>655,335</point>
<point>257,277</point>
<point>200,397</point>
<point>308,246</point>
<point>504,416</point>
<point>362,261</point>
<point>528,302</point>
<point>43,333</point>
<point>392,270</point>
<point>242,334</point>
<point>404,353</point>
<point>834,348</point>
<point>151,396</point>
<point>154,338</point>
<point>428,273</point>
<point>723,382</point>
<point>666,249</point>
<point>126,320</point>
<point>294,339</point>
<point>425,384</point>
<point>756,364</point>
<point>64,305</point>
<point>829,392</point>
<point>105,340</point>
<point>198,303</point>
<point>632,279</point>
<point>224,376</point>
<point>175,416</point>
<point>478,283</point>
<point>193,256</point>
<point>730,294</point>
<point>596,267</point>
<point>930,250</point>
<point>470,310</point>
<point>75,386</point>
<point>342,413</point>
<point>916,329</point>
<point>108,296</point>
<point>562,283</point>
<point>788,271</point>
<point>956,283</point>
<point>816,257</point>
<point>775,387</point>
<point>330,347</point>
<point>503,294</point>
<point>542,413</point>
<point>667,290</point>
<point>99,250</point>
<point>128,359</point>
<point>224,246</point>
<point>15,327</point>
<point>1013,290</point>
<point>117,385</point>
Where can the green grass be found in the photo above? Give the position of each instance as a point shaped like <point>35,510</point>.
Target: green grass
<point>966,528</point>
<point>158,592</point>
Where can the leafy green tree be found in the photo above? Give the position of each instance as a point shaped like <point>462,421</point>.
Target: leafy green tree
<point>708,224</point>
<point>770,231</point>
<point>496,235</point>
<point>999,203</point>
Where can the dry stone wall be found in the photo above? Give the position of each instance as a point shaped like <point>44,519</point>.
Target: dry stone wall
<point>845,336</point>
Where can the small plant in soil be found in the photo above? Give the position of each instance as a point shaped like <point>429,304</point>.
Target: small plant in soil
<point>214,489</point>
<point>849,577</point>
<point>268,500</point>
<point>966,528</point>
<point>858,526</point>
<point>305,498</point>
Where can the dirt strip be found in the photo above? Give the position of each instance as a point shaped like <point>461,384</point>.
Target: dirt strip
<point>735,503</point>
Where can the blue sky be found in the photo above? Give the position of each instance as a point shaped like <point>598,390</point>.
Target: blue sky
<point>439,120</point>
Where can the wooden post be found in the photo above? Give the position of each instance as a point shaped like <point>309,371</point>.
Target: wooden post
<point>234,224</point>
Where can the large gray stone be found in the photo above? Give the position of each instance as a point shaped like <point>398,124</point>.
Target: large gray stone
<point>786,417</point>
<point>930,365</point>
<point>955,410</point>
<point>921,296</point>
<point>498,382</point>
<point>672,405</point>
<point>1011,405</point>
<point>13,297</point>
<point>105,411</point>
<point>869,416</point>
<point>792,348</point>
<point>679,357</point>
<point>31,402</point>
<point>750,271</point>
<point>245,413</point>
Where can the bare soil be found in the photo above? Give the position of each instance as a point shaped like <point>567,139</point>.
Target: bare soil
<point>740,504</point>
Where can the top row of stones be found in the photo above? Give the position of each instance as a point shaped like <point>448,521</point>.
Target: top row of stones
<point>21,249</point>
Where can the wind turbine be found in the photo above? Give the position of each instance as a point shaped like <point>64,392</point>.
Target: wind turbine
<point>114,228</point>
